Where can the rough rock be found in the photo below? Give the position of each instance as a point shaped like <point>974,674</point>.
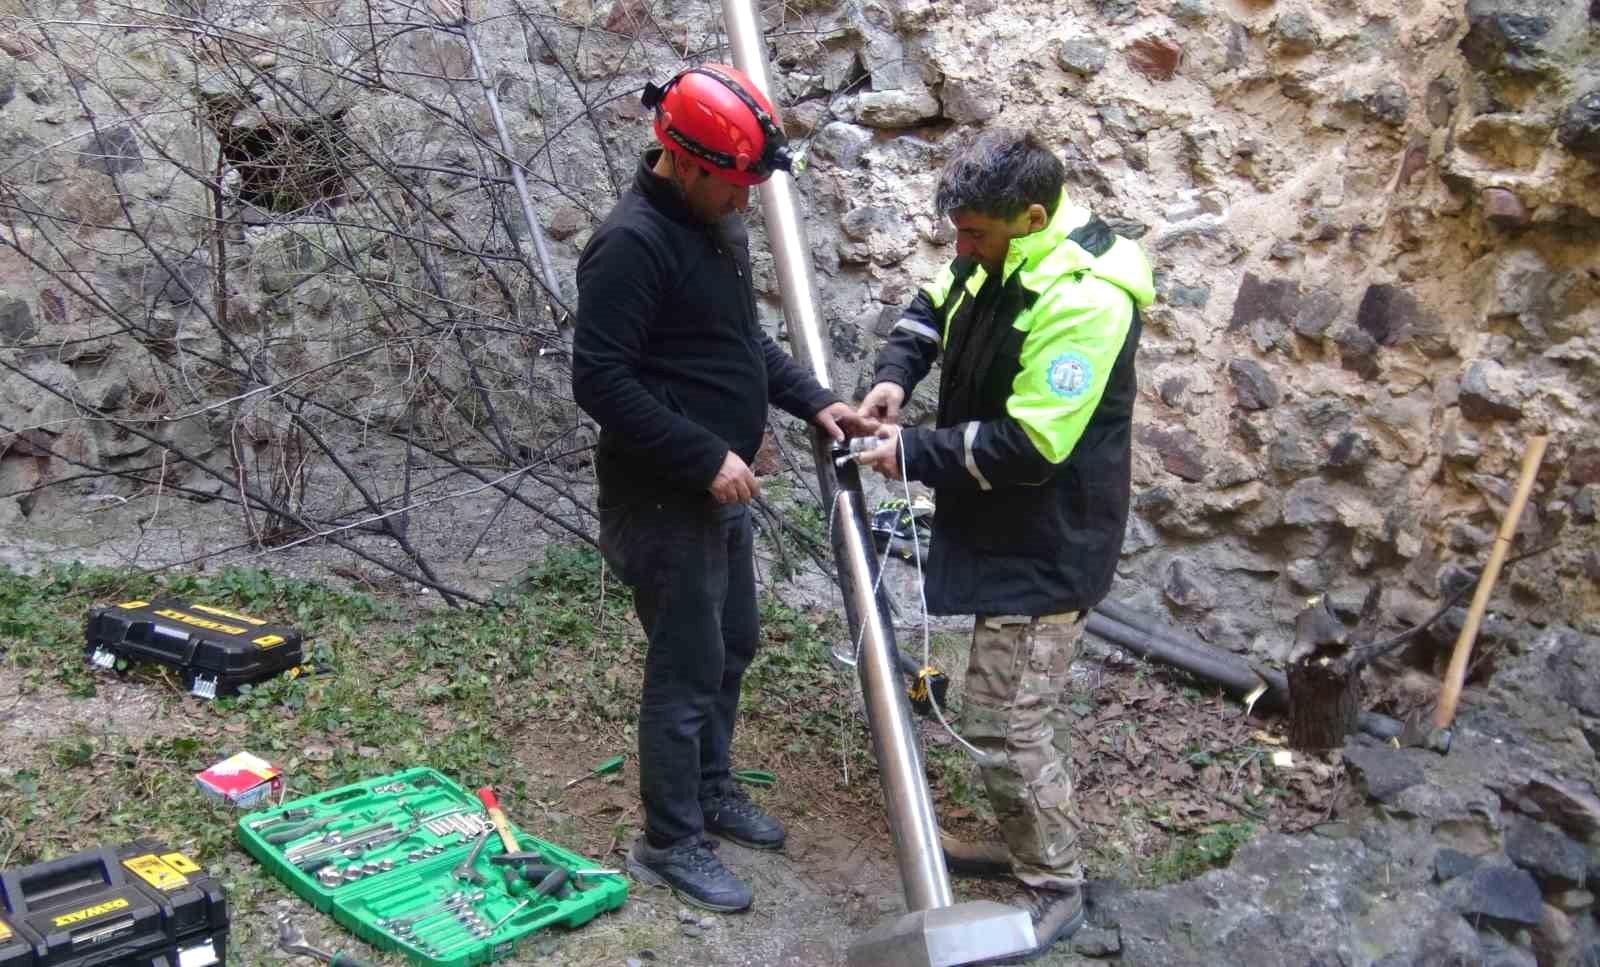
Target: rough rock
<point>1309,502</point>
<point>1290,456</point>
<point>1449,864</point>
<point>1316,312</point>
<point>1506,36</point>
<point>1276,298</point>
<point>1187,296</point>
<point>1460,445</point>
<point>1308,574</point>
<point>1294,33</point>
<point>1489,392</point>
<point>841,142</point>
<point>1543,850</point>
<point>969,100</point>
<point>896,109</point>
<point>1291,900</point>
<point>1556,939</point>
<point>1586,505</point>
<point>1181,451</point>
<point>877,234</point>
<point>1442,96</point>
<point>1085,58</point>
<point>1502,207</point>
<point>1574,664</point>
<point>1579,131</point>
<point>1499,952</point>
<point>1383,772</point>
<point>16,321</point>
<point>1389,104</point>
<point>1155,57</point>
<point>1187,588</point>
<point>112,151</point>
<point>1583,467</point>
<point>1574,902</point>
<point>1498,892</point>
<point>1251,384</point>
<point>1095,942</point>
<point>1349,453</point>
<point>1358,351</point>
<point>1388,313</point>
<point>1570,804</point>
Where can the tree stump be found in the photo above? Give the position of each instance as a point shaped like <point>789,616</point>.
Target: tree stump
<point>1324,683</point>
<point>1324,699</point>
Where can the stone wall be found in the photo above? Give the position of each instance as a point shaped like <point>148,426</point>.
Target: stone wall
<point>1374,225</point>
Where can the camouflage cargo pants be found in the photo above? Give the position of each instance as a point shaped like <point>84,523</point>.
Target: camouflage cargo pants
<point>1016,683</point>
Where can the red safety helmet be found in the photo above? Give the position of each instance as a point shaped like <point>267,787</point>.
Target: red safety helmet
<point>716,117</point>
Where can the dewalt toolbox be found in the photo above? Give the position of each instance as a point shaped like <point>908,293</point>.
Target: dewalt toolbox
<point>140,905</point>
<point>216,650</point>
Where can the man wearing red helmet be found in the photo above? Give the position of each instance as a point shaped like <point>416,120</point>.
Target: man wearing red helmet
<point>670,359</point>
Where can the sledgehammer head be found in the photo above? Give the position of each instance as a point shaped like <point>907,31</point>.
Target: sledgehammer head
<point>1421,735</point>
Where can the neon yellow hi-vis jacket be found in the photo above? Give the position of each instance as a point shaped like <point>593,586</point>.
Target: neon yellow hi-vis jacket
<point>1031,455</point>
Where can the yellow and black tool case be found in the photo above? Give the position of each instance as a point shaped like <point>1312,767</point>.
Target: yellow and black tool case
<point>216,650</point>
<point>139,905</point>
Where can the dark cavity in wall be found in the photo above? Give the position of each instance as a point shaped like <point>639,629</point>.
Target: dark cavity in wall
<point>285,164</point>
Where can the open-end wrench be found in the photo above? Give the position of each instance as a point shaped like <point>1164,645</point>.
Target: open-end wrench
<point>467,868</point>
<point>293,940</point>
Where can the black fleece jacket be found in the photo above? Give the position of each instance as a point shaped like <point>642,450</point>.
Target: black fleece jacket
<point>668,356</point>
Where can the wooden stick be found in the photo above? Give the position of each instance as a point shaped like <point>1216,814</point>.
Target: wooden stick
<point>1456,676</point>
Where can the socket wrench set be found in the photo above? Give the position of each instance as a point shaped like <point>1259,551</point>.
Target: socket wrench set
<point>412,862</point>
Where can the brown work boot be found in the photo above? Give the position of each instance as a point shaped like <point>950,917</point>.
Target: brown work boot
<point>980,860</point>
<point>1057,915</point>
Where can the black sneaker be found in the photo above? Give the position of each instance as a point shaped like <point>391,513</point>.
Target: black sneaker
<point>691,870</point>
<point>730,814</point>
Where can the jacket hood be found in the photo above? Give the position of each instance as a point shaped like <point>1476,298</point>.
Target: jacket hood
<point>1048,254</point>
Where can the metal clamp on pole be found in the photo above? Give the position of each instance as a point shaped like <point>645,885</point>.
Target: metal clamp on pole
<point>935,932</point>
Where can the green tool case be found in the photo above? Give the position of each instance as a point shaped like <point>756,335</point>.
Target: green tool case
<point>385,858</point>
<point>139,904</point>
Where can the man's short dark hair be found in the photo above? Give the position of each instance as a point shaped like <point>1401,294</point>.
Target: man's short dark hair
<point>999,174</point>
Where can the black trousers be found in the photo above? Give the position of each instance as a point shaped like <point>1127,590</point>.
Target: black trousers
<point>690,563</point>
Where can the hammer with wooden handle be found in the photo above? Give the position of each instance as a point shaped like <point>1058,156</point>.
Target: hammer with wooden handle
<point>496,816</point>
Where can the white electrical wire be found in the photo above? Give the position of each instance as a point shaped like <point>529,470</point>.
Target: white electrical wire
<point>977,754</point>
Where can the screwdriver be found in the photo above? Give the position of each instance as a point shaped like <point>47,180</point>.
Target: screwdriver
<point>603,769</point>
<point>287,834</point>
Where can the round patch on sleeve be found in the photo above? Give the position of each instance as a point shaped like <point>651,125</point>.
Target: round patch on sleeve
<point>1070,375</point>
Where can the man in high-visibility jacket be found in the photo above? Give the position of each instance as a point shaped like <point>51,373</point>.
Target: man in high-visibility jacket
<point>1037,320</point>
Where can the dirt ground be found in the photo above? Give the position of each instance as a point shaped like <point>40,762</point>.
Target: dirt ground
<point>1170,777</point>
<point>1140,795</point>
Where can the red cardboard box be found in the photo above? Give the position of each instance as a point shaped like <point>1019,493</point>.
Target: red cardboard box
<point>241,780</point>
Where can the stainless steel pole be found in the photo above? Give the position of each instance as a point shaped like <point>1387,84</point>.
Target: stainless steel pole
<point>935,932</point>
<point>905,791</point>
